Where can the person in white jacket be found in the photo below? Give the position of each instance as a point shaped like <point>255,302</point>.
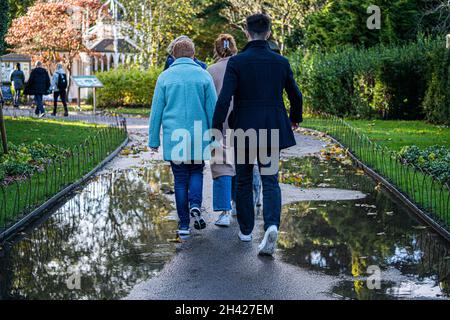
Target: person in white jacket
<point>59,88</point>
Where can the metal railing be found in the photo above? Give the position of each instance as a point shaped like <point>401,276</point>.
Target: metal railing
<point>20,198</point>
<point>428,193</point>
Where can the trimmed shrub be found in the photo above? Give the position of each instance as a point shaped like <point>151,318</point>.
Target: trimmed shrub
<point>124,87</point>
<point>384,81</point>
<point>436,103</point>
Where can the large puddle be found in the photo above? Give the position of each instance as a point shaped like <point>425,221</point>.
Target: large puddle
<point>98,245</point>
<point>117,232</point>
<point>362,241</point>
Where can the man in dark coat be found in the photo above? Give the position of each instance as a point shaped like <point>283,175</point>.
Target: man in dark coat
<point>38,85</point>
<point>257,78</point>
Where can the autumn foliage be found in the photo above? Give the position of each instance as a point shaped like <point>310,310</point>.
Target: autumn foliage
<point>51,31</point>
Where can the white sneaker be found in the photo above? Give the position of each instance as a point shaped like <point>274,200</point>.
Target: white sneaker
<point>269,243</point>
<point>184,232</point>
<point>224,220</point>
<point>245,238</point>
<point>199,221</point>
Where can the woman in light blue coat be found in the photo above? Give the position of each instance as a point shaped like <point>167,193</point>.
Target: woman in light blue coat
<point>183,104</point>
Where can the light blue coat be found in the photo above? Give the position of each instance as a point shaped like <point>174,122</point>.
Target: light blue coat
<point>183,103</point>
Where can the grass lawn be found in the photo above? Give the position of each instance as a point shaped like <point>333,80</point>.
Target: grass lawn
<point>392,133</point>
<point>139,112</point>
<point>421,188</point>
<point>62,133</point>
<point>397,134</point>
<point>21,197</point>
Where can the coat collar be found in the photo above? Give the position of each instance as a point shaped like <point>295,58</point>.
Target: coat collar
<point>257,44</point>
<point>184,61</point>
<point>223,59</point>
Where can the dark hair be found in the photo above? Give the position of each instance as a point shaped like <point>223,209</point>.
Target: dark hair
<point>224,46</point>
<point>258,24</point>
<point>18,66</point>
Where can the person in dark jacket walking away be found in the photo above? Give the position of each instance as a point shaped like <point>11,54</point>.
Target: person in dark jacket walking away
<point>257,78</point>
<point>59,88</point>
<point>170,58</point>
<point>17,78</point>
<point>38,85</point>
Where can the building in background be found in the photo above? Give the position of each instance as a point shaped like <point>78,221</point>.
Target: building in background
<point>108,42</point>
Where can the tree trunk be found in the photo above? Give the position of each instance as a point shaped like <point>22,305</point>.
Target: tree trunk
<point>3,131</point>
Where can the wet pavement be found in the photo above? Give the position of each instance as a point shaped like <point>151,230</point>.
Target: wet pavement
<point>345,238</point>
<point>103,240</point>
<point>116,239</point>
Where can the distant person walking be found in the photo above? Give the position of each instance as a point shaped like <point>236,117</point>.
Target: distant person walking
<point>38,85</point>
<point>59,88</point>
<point>17,78</point>
<point>222,163</point>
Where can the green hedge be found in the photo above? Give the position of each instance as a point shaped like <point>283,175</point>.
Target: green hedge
<point>123,87</point>
<point>403,82</point>
<point>436,103</point>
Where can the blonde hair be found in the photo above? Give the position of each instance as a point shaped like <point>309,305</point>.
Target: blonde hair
<point>184,49</point>
<point>224,46</point>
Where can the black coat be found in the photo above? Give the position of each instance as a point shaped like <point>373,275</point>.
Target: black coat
<point>39,82</point>
<point>257,78</point>
<point>18,77</point>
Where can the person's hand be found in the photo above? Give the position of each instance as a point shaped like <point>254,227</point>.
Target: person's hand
<point>294,125</point>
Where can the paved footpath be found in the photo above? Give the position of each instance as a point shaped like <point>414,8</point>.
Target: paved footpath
<point>213,263</point>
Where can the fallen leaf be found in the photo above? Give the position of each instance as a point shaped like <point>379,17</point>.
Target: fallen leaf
<point>176,240</point>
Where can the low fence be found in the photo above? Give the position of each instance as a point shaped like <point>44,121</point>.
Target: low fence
<point>20,198</point>
<point>428,193</point>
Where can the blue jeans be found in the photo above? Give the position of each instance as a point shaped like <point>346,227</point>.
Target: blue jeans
<point>222,193</point>
<point>188,189</point>
<point>245,198</point>
<point>17,97</point>
<point>39,99</point>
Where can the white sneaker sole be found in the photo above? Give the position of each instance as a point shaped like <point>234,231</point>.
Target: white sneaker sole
<point>223,221</point>
<point>183,233</point>
<point>246,239</point>
<point>268,245</point>
<point>222,224</point>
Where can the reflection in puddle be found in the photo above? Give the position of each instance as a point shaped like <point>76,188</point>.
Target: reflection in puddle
<point>116,233</point>
<point>344,238</point>
<point>98,245</point>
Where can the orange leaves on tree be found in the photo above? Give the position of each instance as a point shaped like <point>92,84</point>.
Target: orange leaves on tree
<point>49,29</point>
